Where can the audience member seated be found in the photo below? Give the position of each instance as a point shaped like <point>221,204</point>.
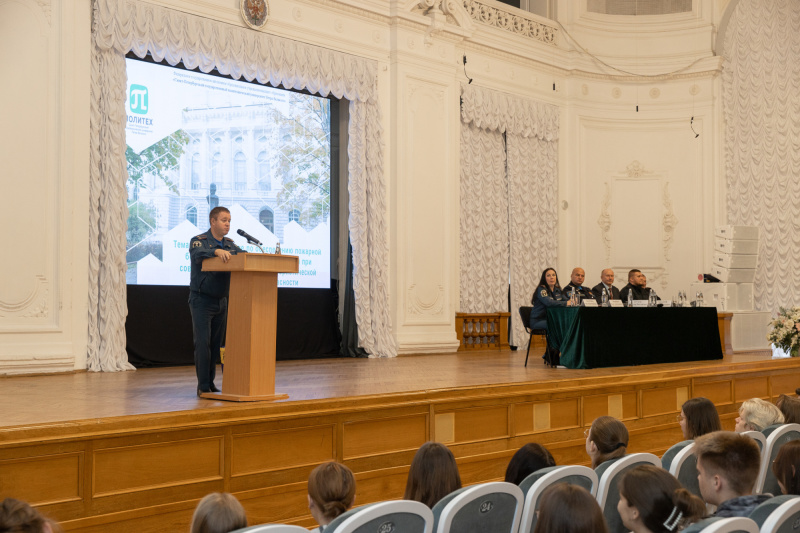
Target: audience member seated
<point>652,500</point>
<point>606,440</point>
<point>433,474</point>
<point>727,468</point>
<point>786,468</point>
<point>17,516</point>
<point>567,508</point>
<point>219,512</point>
<point>790,407</point>
<point>756,414</point>
<point>698,417</point>
<point>526,461</point>
<point>331,492</point>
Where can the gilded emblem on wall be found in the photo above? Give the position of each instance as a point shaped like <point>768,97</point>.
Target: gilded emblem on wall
<point>254,12</point>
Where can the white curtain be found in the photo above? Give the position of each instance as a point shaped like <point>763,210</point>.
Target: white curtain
<point>120,26</point>
<point>761,103</point>
<point>533,186</point>
<point>484,221</point>
<point>530,189</point>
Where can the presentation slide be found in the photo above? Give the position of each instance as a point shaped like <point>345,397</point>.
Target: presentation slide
<point>196,141</point>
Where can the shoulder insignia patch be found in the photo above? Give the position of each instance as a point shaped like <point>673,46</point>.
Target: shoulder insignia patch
<point>544,292</point>
<point>196,244</point>
<point>227,239</point>
<point>201,236</point>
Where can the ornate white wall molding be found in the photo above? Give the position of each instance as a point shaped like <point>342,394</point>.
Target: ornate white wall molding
<point>47,9</point>
<point>667,219</point>
<point>516,22</point>
<point>418,306</point>
<point>35,305</point>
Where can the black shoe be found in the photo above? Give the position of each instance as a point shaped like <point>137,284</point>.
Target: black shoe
<point>214,388</point>
<point>201,391</point>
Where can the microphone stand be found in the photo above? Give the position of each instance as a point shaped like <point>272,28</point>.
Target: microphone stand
<point>254,243</point>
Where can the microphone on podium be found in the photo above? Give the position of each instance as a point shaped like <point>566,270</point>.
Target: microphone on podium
<point>247,236</point>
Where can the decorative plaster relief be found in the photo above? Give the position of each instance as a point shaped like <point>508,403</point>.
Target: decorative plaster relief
<point>418,306</point>
<point>605,221</point>
<point>411,43</point>
<point>297,14</point>
<point>377,37</point>
<point>694,90</point>
<point>47,9</point>
<point>34,305</point>
<point>584,89</point>
<point>616,92</point>
<point>338,25</point>
<point>516,23</point>
<point>655,92</point>
<point>668,219</point>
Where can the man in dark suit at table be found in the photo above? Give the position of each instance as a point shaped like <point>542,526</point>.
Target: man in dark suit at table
<point>606,285</point>
<point>636,283</point>
<point>576,285</point>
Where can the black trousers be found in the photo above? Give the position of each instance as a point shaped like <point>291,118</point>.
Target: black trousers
<point>209,320</point>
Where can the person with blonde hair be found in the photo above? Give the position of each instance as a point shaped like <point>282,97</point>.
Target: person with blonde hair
<point>219,512</point>
<point>756,414</point>
<point>331,492</point>
<point>606,440</point>
<point>17,516</point>
<point>651,500</point>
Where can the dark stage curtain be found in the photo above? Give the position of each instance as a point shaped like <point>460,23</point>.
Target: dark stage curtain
<point>159,326</point>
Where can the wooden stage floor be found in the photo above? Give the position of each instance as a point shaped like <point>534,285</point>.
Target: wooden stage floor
<point>28,401</point>
<point>135,451</point>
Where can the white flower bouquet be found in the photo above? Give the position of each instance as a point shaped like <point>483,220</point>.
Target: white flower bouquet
<point>783,330</point>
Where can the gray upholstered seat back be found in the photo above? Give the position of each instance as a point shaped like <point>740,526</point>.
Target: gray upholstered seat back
<point>401,516</point>
<point>535,484</point>
<point>494,507</point>
<point>778,436</point>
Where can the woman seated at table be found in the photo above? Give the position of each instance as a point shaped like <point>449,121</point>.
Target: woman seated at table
<point>547,294</point>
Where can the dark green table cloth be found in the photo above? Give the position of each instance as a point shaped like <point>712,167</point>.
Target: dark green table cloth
<point>594,337</point>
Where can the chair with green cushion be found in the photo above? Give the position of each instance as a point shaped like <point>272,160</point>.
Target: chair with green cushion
<point>778,513</point>
<point>488,507</point>
<point>535,484</point>
<point>723,525</point>
<point>609,474</point>
<point>272,528</point>
<point>681,462</point>
<point>392,516</point>
<point>778,436</point>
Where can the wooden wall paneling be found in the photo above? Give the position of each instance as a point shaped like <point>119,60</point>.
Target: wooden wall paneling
<point>623,406</point>
<point>384,435</point>
<point>784,383</point>
<point>483,468</point>
<point>546,416</point>
<point>383,484</point>
<point>170,517</point>
<point>253,453</point>
<point>31,478</point>
<point>481,423</point>
<point>719,391</point>
<point>663,400</point>
<point>754,387</point>
<point>282,504</point>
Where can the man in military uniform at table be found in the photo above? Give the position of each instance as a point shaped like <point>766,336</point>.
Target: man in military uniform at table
<point>208,296</point>
<point>576,285</point>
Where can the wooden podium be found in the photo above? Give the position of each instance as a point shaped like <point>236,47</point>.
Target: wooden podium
<point>249,374</point>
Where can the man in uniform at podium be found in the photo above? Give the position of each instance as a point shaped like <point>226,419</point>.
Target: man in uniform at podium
<point>208,296</point>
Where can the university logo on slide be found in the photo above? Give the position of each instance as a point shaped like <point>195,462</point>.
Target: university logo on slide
<point>139,99</point>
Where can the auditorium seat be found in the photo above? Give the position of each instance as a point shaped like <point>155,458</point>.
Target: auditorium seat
<point>759,437</point>
<point>525,315</point>
<point>400,515</point>
<point>533,486</point>
<point>777,436</point>
<point>777,513</point>
<point>723,525</point>
<point>272,528</point>
<point>607,491</point>
<point>495,507</point>
<point>681,462</point>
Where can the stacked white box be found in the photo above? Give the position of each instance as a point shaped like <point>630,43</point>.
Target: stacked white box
<point>735,261</point>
